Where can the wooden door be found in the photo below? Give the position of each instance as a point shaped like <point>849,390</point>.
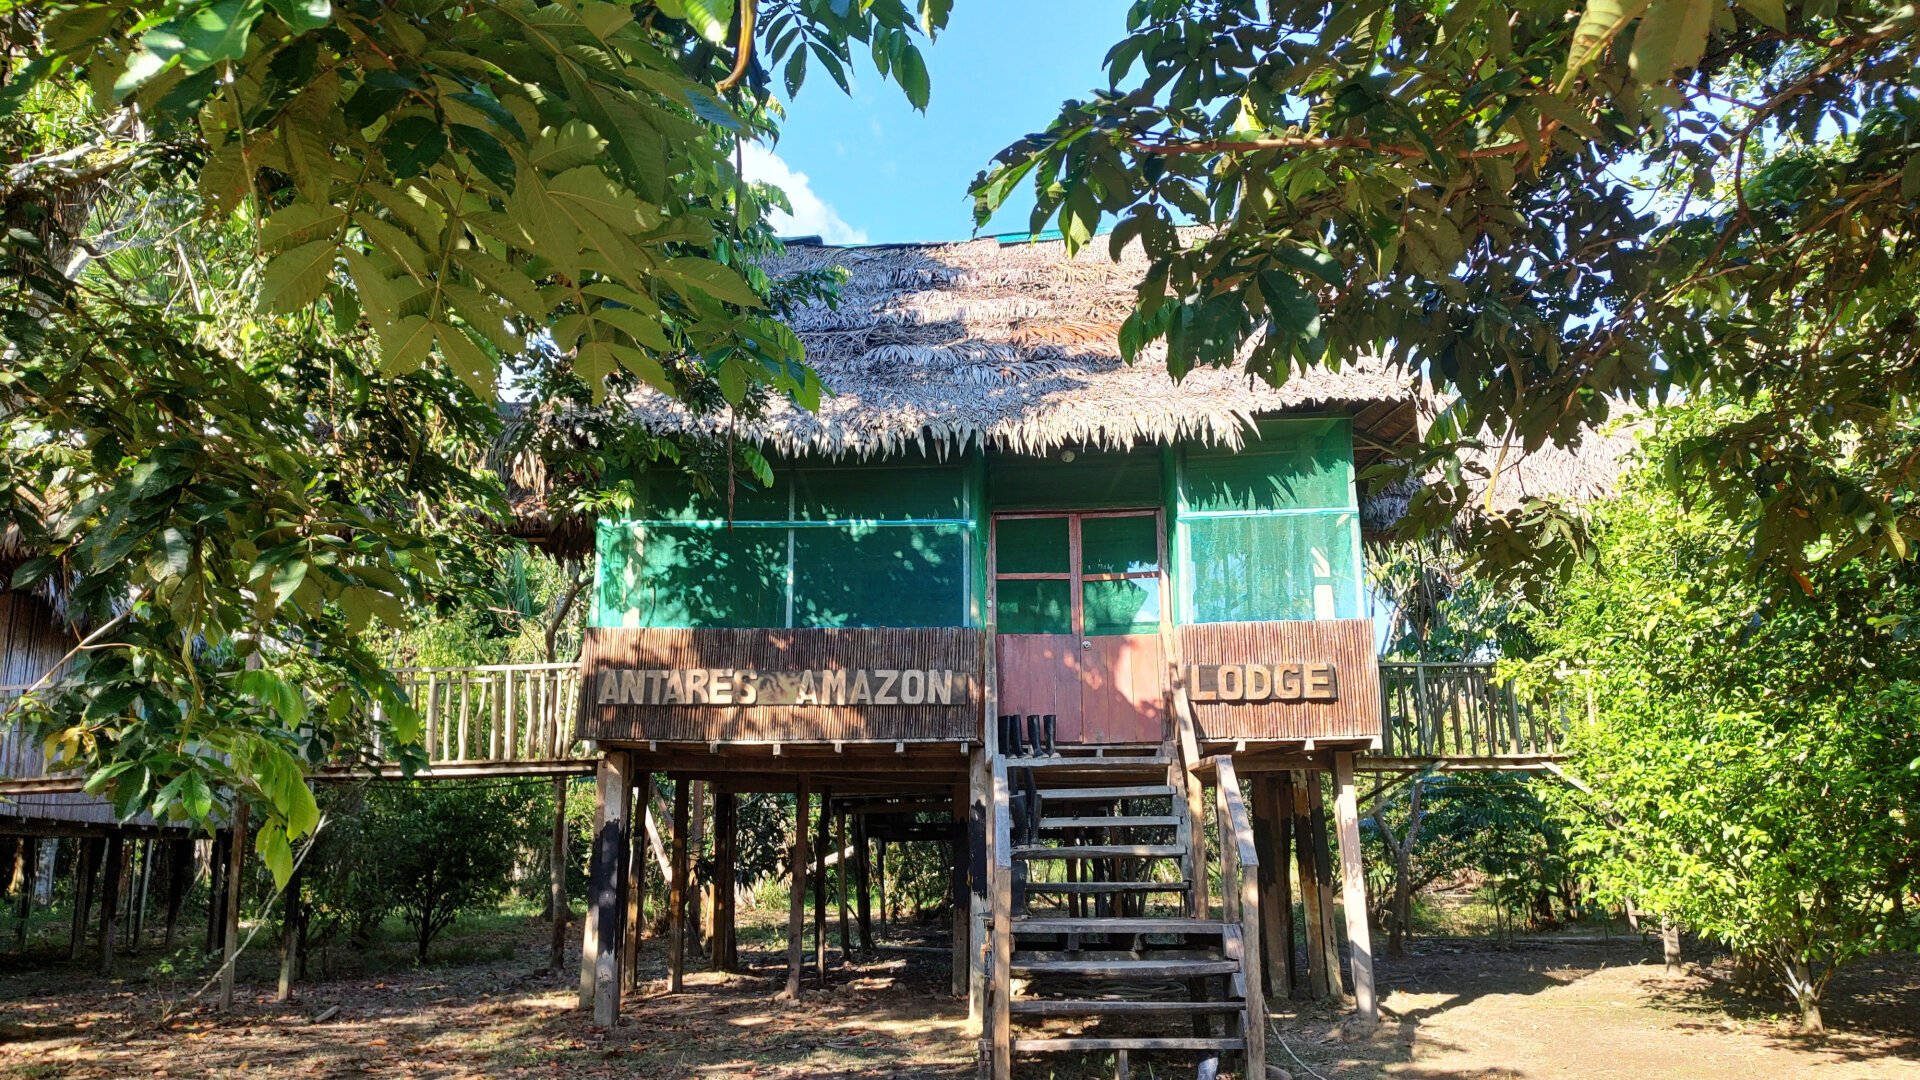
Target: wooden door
<point>1079,601</point>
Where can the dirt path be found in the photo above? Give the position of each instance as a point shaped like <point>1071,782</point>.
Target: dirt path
<point>1456,1010</point>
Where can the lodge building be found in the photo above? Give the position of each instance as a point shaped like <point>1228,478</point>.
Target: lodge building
<point>992,516</point>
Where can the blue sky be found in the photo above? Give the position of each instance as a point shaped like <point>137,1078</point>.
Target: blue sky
<point>869,169</point>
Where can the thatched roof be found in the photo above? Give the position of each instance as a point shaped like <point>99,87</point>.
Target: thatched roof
<point>1013,347</point>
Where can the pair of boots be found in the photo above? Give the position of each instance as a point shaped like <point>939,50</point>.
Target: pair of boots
<point>1038,740</point>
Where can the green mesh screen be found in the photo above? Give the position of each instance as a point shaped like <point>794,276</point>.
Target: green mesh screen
<point>1121,606</point>
<point>1294,465</point>
<point>823,546</point>
<point>1118,545</point>
<point>1265,568</point>
<point>1031,546</point>
<point>1034,607</point>
<point>1271,532</point>
<point>880,576</point>
<point>1091,479</point>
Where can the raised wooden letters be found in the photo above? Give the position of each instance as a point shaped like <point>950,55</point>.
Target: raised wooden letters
<point>809,686</point>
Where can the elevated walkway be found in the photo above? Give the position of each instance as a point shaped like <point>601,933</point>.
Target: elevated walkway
<point>1461,717</point>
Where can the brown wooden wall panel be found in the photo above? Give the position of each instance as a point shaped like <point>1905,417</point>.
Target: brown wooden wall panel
<point>1345,643</point>
<point>941,648</point>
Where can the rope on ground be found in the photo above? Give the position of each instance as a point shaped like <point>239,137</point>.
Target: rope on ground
<point>1274,1030</point>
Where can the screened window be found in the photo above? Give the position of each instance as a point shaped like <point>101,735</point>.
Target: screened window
<point>1115,577</point>
<point>1272,531</point>
<point>823,547</point>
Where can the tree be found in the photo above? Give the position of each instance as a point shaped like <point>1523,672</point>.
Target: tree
<point>263,261</point>
<point>436,851</point>
<point>1751,759</point>
<point>1544,211</point>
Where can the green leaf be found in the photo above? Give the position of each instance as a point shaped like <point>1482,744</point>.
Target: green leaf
<point>406,343</point>
<point>296,278</point>
<point>709,18</point>
<point>270,840</point>
<point>274,692</point>
<point>1910,179</point>
<point>303,15</point>
<point>1772,13</point>
<point>472,363</point>
<point>705,275</point>
<point>286,578</point>
<point>568,146</point>
<point>911,71</point>
<point>1602,21</point>
<point>412,144</point>
<point>586,193</point>
<point>197,39</point>
<point>486,153</point>
<point>1671,37</point>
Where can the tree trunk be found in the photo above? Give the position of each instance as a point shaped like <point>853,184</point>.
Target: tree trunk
<point>1401,925</point>
<point>1805,991</point>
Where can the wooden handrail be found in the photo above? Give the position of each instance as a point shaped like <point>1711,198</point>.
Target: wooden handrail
<point>1240,904</point>
<point>1236,815</point>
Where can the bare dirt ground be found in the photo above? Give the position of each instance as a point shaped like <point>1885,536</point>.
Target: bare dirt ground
<point>1469,1009</point>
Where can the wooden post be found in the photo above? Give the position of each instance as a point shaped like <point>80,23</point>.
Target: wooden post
<point>636,884</point>
<point>725,821</point>
<point>958,894</point>
<point>1281,795</point>
<point>179,880</point>
<point>979,899</point>
<point>677,893</point>
<point>137,893</point>
<point>1000,967</point>
<point>590,943</point>
<point>820,888</point>
<point>1319,984</point>
<point>86,865</point>
<point>862,882</point>
<point>607,888</point>
<point>696,844</point>
<point>1353,887</point>
<point>1323,882</point>
<point>796,907</point>
<point>236,876</point>
<point>840,879</point>
<point>115,871</point>
<point>216,890</point>
<point>290,913</point>
<point>1275,899</point>
<point>29,875</point>
<point>556,861</point>
<point>880,871</point>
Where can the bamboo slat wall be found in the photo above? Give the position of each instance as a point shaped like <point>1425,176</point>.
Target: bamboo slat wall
<point>1463,711</point>
<point>32,640</point>
<point>933,648</point>
<point>1346,643</point>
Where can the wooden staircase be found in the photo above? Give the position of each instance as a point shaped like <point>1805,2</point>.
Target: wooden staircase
<point>1104,938</point>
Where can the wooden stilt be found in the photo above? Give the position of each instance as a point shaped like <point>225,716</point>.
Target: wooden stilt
<point>590,943</point>
<point>115,871</point>
<point>840,881</point>
<point>979,898</point>
<point>862,882</point>
<point>820,888</point>
<point>607,889</point>
<point>29,878</point>
<point>290,915</point>
<point>1323,882</point>
<point>236,876</point>
<point>796,908</point>
<point>216,890</point>
<point>1319,983</point>
<point>137,894</point>
<point>86,866</point>
<point>696,844</point>
<point>958,894</point>
<point>725,818</point>
<point>1281,793</point>
<point>880,872</point>
<point>179,880</point>
<point>556,865</point>
<point>1353,887</point>
<point>677,891</point>
<point>1274,940</point>
<point>636,888</point>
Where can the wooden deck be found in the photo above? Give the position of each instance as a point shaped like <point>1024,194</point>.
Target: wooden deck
<point>1462,717</point>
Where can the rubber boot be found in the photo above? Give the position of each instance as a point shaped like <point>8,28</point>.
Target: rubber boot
<point>1033,732</point>
<point>1048,724</point>
<point>1013,746</point>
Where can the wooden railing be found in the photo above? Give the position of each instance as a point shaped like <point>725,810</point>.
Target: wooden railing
<point>1240,905</point>
<point>1463,710</point>
<point>497,712</point>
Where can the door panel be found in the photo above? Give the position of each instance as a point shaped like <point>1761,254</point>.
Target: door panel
<point>1040,673</point>
<point>1122,698</point>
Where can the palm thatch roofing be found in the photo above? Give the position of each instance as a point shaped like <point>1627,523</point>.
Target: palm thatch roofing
<point>1013,347</point>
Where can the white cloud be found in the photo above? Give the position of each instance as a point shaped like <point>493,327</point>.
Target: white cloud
<point>812,216</point>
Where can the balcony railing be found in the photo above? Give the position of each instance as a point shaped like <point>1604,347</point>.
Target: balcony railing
<point>497,712</point>
<point>1463,710</point>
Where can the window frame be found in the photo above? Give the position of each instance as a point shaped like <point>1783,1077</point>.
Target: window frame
<point>1075,575</point>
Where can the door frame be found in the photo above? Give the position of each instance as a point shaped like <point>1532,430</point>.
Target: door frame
<point>1076,582</point>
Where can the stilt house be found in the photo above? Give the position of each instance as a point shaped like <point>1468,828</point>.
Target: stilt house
<point>991,517</point>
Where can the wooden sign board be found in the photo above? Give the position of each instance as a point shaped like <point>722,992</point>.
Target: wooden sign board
<point>810,686</point>
<point>1282,681</point>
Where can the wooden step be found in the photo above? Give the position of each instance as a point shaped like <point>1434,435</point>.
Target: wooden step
<point>1118,821</point>
<point>1091,888</point>
<point>1042,1046</point>
<point>1118,1007</point>
<point>1087,794</point>
<point>1100,851</point>
<point>1126,969</point>
<point>1061,761</point>
<point>1041,924</point>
